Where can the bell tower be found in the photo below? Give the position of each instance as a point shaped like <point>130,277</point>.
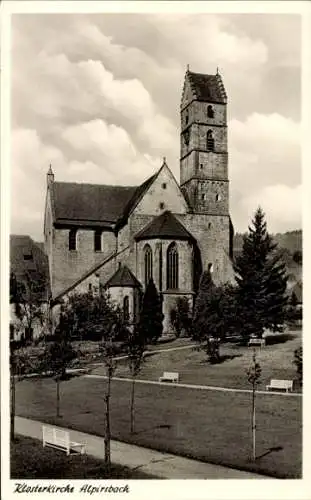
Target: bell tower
<point>203,144</point>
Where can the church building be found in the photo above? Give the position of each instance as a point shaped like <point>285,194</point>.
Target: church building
<point>118,237</point>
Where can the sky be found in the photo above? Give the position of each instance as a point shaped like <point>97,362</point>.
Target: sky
<point>98,97</point>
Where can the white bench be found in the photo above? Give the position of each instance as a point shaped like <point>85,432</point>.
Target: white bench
<point>169,377</point>
<point>256,341</point>
<point>286,385</point>
<point>60,439</point>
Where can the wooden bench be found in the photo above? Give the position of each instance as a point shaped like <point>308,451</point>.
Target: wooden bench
<point>256,341</point>
<point>286,385</point>
<point>169,377</point>
<point>60,439</point>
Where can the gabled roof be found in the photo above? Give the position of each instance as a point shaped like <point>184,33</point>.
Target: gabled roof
<point>94,204</point>
<point>207,87</point>
<point>123,277</point>
<point>29,262</point>
<point>90,202</point>
<point>165,226</point>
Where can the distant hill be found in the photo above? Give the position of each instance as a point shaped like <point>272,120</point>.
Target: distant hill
<point>291,241</point>
<point>289,246</point>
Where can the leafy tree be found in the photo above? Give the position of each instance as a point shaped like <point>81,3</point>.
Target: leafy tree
<point>214,315</point>
<point>104,320</point>
<point>60,353</point>
<point>261,279</point>
<point>135,348</point>
<point>181,317</point>
<point>27,295</point>
<point>151,316</point>
<point>298,361</point>
<point>253,377</point>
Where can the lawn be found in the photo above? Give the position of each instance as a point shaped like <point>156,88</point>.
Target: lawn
<point>276,361</point>
<point>207,425</point>
<point>29,460</point>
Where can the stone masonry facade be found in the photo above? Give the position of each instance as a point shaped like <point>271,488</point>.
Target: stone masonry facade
<point>192,217</point>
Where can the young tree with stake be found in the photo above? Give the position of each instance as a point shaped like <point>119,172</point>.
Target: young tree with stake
<point>60,353</point>
<point>103,320</point>
<point>136,347</point>
<point>253,377</point>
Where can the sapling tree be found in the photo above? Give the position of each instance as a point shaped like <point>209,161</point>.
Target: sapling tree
<point>103,320</point>
<point>20,364</point>
<point>59,353</point>
<point>135,348</point>
<point>253,377</point>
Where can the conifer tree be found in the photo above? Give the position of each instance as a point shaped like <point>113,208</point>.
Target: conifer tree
<point>261,279</point>
<point>151,316</point>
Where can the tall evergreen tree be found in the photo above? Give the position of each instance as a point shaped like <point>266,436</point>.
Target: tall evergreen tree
<point>261,279</point>
<point>151,316</point>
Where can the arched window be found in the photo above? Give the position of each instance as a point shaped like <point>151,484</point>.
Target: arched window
<point>148,263</point>
<point>126,308</point>
<point>172,267</point>
<point>210,111</point>
<point>210,141</point>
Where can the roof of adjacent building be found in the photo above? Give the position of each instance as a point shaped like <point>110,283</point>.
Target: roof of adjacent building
<point>94,204</point>
<point>29,262</point>
<point>207,87</point>
<point>123,277</point>
<point>165,226</point>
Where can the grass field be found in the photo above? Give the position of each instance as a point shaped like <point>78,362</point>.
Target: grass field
<point>276,361</point>
<point>208,425</point>
<point>29,460</point>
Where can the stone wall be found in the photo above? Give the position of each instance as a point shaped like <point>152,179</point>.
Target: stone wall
<point>69,265</point>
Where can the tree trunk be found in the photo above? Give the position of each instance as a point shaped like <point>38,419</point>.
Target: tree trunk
<point>253,426</point>
<point>107,429</point>
<point>12,430</point>
<point>132,405</point>
<point>57,397</point>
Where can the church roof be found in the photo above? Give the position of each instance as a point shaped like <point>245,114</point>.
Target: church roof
<point>94,204</point>
<point>123,277</point>
<point>165,226</point>
<point>207,87</point>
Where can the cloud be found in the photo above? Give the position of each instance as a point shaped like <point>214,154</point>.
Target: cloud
<point>281,204</point>
<point>264,153</point>
<point>98,96</point>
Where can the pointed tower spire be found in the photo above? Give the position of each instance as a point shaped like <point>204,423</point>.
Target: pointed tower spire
<point>50,175</point>
<point>188,68</point>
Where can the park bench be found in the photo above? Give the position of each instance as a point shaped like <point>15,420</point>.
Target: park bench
<point>256,341</point>
<point>286,385</point>
<point>169,377</point>
<point>60,439</point>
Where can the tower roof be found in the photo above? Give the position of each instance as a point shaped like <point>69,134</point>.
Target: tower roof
<point>165,226</point>
<point>207,87</point>
<point>123,277</point>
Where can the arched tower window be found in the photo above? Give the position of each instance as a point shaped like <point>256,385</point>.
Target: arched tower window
<point>126,308</point>
<point>210,141</point>
<point>210,111</point>
<point>172,266</point>
<point>148,263</point>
